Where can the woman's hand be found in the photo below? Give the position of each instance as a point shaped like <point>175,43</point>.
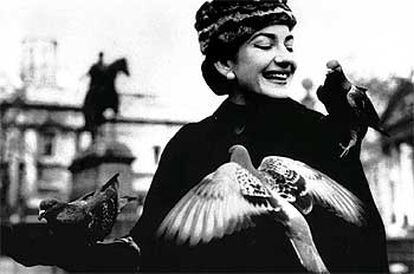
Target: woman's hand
<point>348,106</point>
<point>32,244</point>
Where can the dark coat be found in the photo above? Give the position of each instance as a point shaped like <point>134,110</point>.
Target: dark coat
<point>268,127</point>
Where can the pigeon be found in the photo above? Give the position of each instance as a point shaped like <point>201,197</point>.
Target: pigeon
<point>227,200</point>
<point>88,219</point>
<point>349,105</point>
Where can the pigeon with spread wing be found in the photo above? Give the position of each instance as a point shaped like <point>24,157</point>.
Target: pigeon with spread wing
<point>89,218</point>
<point>226,201</point>
<point>349,105</point>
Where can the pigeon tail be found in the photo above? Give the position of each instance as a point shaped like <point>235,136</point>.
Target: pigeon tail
<point>300,236</point>
<point>308,255</point>
<point>113,180</point>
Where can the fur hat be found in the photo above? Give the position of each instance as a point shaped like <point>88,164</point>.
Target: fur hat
<point>229,23</point>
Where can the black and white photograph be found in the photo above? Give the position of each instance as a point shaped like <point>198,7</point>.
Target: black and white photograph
<point>206,136</point>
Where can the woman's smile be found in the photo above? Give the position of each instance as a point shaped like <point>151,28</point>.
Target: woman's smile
<point>264,64</point>
<point>277,77</point>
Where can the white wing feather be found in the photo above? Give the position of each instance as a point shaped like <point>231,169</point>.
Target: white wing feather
<point>325,191</point>
<point>211,209</point>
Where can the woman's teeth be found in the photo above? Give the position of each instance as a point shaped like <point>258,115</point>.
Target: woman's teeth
<point>282,76</point>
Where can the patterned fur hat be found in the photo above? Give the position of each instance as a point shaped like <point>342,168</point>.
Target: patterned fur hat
<point>226,22</point>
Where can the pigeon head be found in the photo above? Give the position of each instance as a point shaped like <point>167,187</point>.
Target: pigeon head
<point>48,206</point>
<point>333,65</point>
<point>336,76</point>
<point>240,155</point>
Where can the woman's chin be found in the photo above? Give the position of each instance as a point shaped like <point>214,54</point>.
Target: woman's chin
<point>277,92</point>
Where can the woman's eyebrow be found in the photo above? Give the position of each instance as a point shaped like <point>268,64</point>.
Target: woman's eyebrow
<point>271,36</point>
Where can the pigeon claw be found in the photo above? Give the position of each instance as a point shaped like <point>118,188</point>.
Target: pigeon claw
<point>345,149</point>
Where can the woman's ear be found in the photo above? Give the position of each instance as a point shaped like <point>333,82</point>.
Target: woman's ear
<point>225,68</point>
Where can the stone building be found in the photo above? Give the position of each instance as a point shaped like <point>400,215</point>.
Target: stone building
<point>389,165</point>
<point>42,141</point>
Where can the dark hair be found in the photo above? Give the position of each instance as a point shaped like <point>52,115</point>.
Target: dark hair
<point>220,51</point>
<point>214,79</point>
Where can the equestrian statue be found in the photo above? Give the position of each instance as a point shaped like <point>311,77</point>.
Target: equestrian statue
<point>102,94</point>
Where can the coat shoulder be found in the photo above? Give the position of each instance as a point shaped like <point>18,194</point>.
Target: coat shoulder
<point>310,113</point>
<point>190,131</point>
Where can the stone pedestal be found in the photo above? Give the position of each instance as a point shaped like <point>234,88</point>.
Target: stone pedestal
<point>96,165</point>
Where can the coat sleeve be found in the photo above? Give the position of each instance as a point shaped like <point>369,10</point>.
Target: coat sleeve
<point>368,248</point>
<point>31,246</point>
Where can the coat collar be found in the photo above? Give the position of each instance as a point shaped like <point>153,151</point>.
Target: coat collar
<point>269,107</point>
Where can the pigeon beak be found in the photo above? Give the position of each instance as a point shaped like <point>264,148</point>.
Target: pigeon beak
<point>41,214</point>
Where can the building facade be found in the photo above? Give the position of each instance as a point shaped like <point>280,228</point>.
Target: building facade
<point>389,165</point>
<point>42,136</point>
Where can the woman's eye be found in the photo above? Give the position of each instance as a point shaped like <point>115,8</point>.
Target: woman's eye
<point>263,46</point>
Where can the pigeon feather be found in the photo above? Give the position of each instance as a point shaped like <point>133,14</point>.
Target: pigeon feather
<point>228,199</point>
<point>319,187</point>
<point>89,218</point>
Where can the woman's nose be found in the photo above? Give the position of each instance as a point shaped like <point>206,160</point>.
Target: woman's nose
<point>284,59</point>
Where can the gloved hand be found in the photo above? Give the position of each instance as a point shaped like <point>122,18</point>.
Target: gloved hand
<point>33,245</point>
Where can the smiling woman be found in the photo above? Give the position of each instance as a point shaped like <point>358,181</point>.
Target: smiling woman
<point>248,48</point>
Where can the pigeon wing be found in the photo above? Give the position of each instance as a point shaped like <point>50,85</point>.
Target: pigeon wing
<point>325,191</point>
<point>103,216</point>
<point>370,116</point>
<point>213,208</point>
<point>111,185</point>
<point>113,182</point>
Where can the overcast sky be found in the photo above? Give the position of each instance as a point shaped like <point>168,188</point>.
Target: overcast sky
<point>369,37</point>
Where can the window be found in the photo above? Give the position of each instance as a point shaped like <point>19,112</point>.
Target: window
<point>48,143</point>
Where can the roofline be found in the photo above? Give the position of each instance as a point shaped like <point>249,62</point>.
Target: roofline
<point>119,120</point>
<point>40,106</point>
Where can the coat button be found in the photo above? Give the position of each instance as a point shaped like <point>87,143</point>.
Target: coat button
<point>238,130</point>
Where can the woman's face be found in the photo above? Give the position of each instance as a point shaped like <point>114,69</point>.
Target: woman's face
<point>264,64</point>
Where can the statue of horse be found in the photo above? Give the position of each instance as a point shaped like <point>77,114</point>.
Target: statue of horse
<point>103,96</point>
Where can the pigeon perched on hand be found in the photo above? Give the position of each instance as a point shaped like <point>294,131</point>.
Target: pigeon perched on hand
<point>349,105</point>
<point>226,201</point>
<point>89,218</point>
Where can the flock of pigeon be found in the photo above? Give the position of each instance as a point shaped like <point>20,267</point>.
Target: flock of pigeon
<point>226,200</point>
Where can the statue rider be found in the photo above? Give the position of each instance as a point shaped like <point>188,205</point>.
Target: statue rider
<point>96,84</point>
<point>97,73</point>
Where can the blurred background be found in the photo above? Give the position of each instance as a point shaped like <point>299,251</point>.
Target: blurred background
<point>48,48</point>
